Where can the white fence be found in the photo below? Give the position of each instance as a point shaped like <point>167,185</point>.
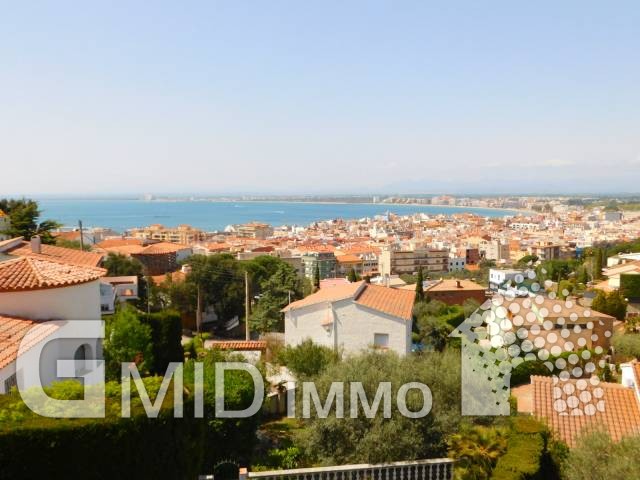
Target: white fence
<point>433,469</point>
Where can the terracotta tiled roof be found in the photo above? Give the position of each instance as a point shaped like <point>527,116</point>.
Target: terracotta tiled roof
<point>35,273</point>
<point>120,242</point>
<point>13,330</point>
<point>240,345</point>
<point>448,285</point>
<point>162,248</point>
<point>52,252</point>
<point>178,276</point>
<point>217,247</point>
<point>124,249</point>
<point>573,407</point>
<point>398,303</point>
<point>329,294</point>
<point>348,258</point>
<point>553,308</point>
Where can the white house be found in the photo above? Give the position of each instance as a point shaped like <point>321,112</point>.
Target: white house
<point>114,290</point>
<point>352,317</point>
<point>36,287</point>
<point>498,276</point>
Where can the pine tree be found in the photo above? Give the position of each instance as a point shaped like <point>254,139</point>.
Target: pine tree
<point>419,289</point>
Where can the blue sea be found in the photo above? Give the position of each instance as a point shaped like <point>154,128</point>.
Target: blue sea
<point>210,216</point>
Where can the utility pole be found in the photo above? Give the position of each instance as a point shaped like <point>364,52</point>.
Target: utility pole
<point>199,310</point>
<point>247,306</point>
<point>81,235</point>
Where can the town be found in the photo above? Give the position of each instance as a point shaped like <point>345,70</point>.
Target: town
<point>325,302</point>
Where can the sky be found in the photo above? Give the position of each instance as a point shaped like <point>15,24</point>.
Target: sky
<point>319,97</point>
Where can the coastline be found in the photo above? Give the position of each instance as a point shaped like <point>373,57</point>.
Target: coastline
<point>318,202</point>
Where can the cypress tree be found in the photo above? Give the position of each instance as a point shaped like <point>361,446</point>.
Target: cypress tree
<point>316,276</point>
<point>353,276</point>
<point>419,289</point>
<point>597,264</point>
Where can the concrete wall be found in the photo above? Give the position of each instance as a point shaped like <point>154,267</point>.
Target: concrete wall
<point>356,326</point>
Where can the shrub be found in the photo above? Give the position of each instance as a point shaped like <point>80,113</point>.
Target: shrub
<point>127,340</point>
<point>307,359</point>
<point>136,447</point>
<point>627,344</point>
<point>597,456</point>
<point>166,337</point>
<point>525,451</point>
<point>521,374</point>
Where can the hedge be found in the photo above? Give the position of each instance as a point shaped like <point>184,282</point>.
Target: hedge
<point>525,451</point>
<point>630,286</point>
<point>166,336</point>
<point>139,447</point>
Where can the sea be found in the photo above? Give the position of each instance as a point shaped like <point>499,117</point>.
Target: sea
<point>123,214</point>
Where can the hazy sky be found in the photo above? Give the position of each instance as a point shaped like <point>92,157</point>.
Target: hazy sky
<point>319,97</point>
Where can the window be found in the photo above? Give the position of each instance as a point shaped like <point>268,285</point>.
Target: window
<point>381,340</point>
<point>10,382</point>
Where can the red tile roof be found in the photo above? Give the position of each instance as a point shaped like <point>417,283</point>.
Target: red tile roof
<point>121,242</point>
<point>398,303</point>
<point>52,252</point>
<point>35,273</point>
<point>240,345</point>
<point>573,407</point>
<point>13,330</point>
<point>328,294</point>
<point>162,248</point>
<point>451,285</point>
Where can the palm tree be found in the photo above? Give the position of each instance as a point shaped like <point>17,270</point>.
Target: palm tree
<point>477,450</point>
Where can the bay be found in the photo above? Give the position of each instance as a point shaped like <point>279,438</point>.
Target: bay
<point>123,214</point>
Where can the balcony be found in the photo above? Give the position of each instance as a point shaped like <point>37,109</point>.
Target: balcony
<point>432,469</point>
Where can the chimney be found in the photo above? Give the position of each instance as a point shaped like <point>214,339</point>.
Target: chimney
<point>36,244</point>
<point>458,284</point>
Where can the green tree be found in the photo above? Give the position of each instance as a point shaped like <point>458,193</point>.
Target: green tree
<point>528,260</point>
<point>283,285</point>
<point>316,276</point>
<point>221,282</point>
<point>477,449</point>
<point>434,331</point>
<point>627,344</point>
<point>597,457</point>
<point>336,441</point>
<point>73,244</point>
<point>127,339</point>
<point>307,359</point>
<point>419,287</point>
<point>352,276</point>
<point>596,264</point>
<point>24,215</point>
<point>611,303</point>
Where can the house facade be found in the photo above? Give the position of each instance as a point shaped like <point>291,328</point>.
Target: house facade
<point>352,317</point>
<point>36,288</point>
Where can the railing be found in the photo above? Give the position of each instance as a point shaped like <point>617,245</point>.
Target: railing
<point>433,469</point>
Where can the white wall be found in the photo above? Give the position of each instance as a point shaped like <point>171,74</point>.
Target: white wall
<point>77,302</point>
<point>356,326</point>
